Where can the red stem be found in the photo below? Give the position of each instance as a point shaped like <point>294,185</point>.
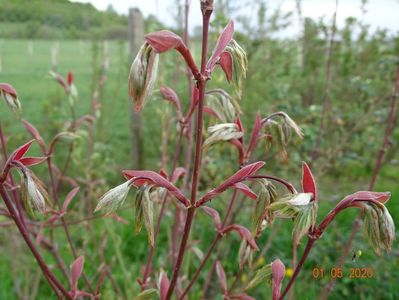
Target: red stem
<point>213,245</point>
<point>52,280</point>
<point>191,211</point>
<point>305,254</point>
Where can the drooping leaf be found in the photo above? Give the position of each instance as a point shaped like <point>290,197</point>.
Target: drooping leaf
<point>221,133</point>
<point>242,187</point>
<point>170,95</point>
<point>8,88</point>
<point>239,176</point>
<point>243,232</point>
<point>148,214</point>
<point>163,40</point>
<point>222,277</point>
<point>35,134</point>
<point>304,220</point>
<point>214,214</point>
<point>150,177</point>
<point>142,76</point>
<point>262,275</point>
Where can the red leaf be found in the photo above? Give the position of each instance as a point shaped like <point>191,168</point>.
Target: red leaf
<point>254,135</point>
<point>239,176</point>
<point>69,198</point>
<point>241,297</point>
<point>214,214</point>
<point>246,190</point>
<point>240,149</point>
<point>308,181</point>
<point>170,95</point>
<point>226,62</point>
<point>76,270</point>
<point>163,173</point>
<point>155,178</point>
<point>163,40</point>
<point>364,196</point>
<point>178,173</point>
<point>278,273</point>
<point>222,276</point>
<point>118,219</point>
<point>243,232</point>
<point>223,40</point>
<point>9,89</point>
<point>31,161</point>
<point>211,112</point>
<point>163,285</point>
<point>70,78</point>
<point>18,153</point>
<point>240,128</point>
<point>61,81</point>
<point>35,134</point>
<point>101,280</point>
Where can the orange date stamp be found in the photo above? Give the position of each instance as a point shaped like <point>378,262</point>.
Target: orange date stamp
<point>338,272</point>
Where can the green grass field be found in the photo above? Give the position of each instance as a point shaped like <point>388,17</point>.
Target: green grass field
<point>25,65</point>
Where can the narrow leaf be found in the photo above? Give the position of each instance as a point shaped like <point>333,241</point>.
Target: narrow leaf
<point>245,190</point>
<point>163,40</point>
<point>18,153</point>
<point>254,136</point>
<point>278,273</point>
<point>179,172</point>
<point>151,294</point>
<point>239,176</point>
<point>31,161</point>
<point>264,274</point>
<point>224,39</point>
<point>222,277</point>
<point>308,181</point>
<point>163,285</point>
<point>148,214</point>
<point>214,214</point>
<point>8,88</point>
<point>35,134</point>
<point>155,179</point>
<point>226,63</point>
<point>76,270</point>
<point>70,78</point>
<point>69,198</point>
<point>243,232</point>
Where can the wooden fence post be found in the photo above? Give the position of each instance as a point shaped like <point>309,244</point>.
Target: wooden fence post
<point>136,39</point>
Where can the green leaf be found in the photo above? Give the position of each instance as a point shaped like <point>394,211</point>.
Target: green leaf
<point>150,294</point>
<point>264,274</point>
<point>148,213</point>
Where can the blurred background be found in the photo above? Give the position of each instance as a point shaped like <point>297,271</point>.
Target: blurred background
<point>302,60</point>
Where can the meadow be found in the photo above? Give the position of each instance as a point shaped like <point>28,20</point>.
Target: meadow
<point>362,83</point>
